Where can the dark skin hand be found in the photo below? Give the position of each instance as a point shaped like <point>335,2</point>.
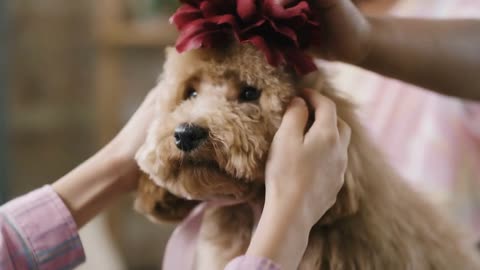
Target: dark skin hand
<point>440,55</point>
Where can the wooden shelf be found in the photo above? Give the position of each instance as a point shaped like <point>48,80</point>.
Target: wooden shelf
<point>42,118</point>
<point>115,34</point>
<point>158,33</point>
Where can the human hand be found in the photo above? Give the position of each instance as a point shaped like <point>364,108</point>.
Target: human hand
<point>110,173</point>
<point>124,146</point>
<point>304,174</point>
<point>347,31</point>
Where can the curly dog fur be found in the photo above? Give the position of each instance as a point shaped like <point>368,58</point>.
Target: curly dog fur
<point>378,222</point>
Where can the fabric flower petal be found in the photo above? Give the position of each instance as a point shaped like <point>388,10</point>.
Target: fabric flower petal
<point>286,31</point>
<point>203,40</point>
<point>247,9</point>
<point>224,19</point>
<point>189,36</point>
<point>184,15</point>
<point>277,11</point>
<point>217,7</point>
<point>192,2</point>
<point>257,25</point>
<point>282,34</point>
<point>274,57</point>
<point>301,62</point>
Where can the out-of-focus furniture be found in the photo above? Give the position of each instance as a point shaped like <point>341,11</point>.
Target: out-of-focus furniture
<point>129,57</point>
<point>52,123</point>
<point>49,101</point>
<point>49,94</point>
<point>116,33</point>
<point>3,103</point>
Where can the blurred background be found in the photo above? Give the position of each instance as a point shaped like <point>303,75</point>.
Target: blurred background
<point>71,73</point>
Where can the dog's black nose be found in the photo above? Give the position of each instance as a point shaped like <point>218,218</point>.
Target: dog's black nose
<point>189,136</point>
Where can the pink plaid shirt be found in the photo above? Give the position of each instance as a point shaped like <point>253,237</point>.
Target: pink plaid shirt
<point>38,232</point>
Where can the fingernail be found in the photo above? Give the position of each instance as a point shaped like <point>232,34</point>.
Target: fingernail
<point>298,101</point>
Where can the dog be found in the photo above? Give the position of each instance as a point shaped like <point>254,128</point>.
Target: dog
<point>218,111</point>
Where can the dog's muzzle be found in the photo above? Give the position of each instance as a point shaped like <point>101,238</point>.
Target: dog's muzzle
<point>189,136</point>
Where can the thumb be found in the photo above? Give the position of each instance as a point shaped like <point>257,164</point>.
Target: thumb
<point>295,120</point>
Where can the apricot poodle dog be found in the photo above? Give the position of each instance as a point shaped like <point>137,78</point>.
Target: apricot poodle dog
<point>218,112</point>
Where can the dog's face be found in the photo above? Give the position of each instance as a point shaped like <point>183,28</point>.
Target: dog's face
<point>217,114</point>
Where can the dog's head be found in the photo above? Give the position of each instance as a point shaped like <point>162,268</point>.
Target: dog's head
<point>218,112</point>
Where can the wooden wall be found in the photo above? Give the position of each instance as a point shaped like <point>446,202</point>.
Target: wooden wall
<point>53,111</point>
<point>51,88</point>
<point>3,103</point>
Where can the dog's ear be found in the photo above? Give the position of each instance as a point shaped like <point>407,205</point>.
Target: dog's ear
<point>159,205</point>
<point>348,199</point>
<point>347,202</point>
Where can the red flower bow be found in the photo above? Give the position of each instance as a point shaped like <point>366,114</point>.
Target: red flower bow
<point>281,33</point>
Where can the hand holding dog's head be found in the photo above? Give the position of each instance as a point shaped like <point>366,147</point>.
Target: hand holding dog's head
<point>218,112</point>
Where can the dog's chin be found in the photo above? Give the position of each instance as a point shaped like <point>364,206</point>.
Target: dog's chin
<point>206,180</point>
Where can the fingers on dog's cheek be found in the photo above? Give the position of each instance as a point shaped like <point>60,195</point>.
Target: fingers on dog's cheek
<point>325,109</point>
<point>325,114</point>
<point>295,119</point>
<point>345,133</point>
<point>324,129</point>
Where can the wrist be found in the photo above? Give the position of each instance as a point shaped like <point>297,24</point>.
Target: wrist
<point>291,221</point>
<point>95,184</point>
<point>281,237</point>
<point>285,209</point>
<point>375,33</point>
<point>122,168</point>
<point>291,205</point>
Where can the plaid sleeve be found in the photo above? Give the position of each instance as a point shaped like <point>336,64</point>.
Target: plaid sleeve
<point>38,232</point>
<point>252,263</point>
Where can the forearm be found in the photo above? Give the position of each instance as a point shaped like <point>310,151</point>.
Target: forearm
<point>443,56</point>
<point>111,173</point>
<point>95,184</point>
<point>280,237</point>
<point>303,176</point>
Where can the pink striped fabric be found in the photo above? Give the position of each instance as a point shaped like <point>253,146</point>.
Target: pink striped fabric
<point>182,245</point>
<point>434,141</point>
<point>38,232</point>
<point>252,263</point>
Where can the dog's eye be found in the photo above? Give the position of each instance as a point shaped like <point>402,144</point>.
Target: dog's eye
<point>249,93</point>
<point>190,93</point>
